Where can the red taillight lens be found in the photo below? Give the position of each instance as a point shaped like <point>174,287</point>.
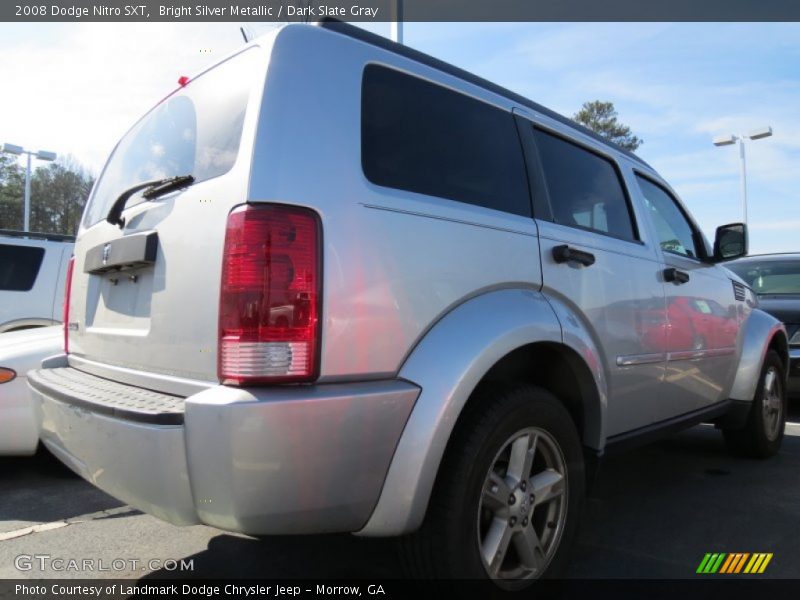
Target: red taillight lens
<point>67,293</point>
<point>269,302</point>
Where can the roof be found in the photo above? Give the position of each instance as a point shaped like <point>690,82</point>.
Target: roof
<point>37,235</point>
<point>385,44</point>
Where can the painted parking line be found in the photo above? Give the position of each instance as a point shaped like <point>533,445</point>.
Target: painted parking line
<point>40,527</point>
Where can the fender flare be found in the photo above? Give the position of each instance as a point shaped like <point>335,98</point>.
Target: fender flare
<point>448,363</point>
<point>757,335</point>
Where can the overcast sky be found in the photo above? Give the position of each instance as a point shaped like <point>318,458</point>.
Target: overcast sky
<point>75,89</point>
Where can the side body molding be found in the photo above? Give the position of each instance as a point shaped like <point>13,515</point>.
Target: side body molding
<point>448,364</point>
<point>759,330</point>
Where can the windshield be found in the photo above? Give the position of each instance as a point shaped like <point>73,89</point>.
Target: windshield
<point>770,277</point>
<point>196,131</point>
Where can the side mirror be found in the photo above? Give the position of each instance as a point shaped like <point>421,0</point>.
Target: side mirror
<point>730,242</point>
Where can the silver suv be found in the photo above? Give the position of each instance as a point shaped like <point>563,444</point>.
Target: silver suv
<point>332,284</point>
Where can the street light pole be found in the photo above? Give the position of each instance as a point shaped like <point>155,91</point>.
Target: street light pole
<point>41,155</point>
<point>396,32</point>
<point>743,164</point>
<point>728,140</point>
<point>27,218</point>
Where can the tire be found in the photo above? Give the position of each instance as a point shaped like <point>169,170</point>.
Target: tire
<point>762,435</point>
<point>471,511</point>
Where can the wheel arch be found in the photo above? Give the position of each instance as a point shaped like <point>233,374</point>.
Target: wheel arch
<point>494,335</point>
<point>762,332</point>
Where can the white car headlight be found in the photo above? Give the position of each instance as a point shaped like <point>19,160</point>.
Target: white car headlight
<point>795,341</point>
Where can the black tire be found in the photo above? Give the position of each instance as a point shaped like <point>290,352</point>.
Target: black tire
<point>448,545</point>
<point>761,438</point>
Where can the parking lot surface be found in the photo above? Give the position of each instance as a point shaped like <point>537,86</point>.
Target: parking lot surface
<point>653,513</point>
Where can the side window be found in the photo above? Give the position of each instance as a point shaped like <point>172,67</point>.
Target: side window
<point>19,266</point>
<point>584,188</point>
<point>424,138</point>
<point>674,232</point>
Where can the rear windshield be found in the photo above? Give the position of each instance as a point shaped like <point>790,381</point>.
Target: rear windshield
<point>770,277</point>
<point>196,131</point>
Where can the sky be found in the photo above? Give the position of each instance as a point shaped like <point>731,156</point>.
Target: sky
<point>75,88</point>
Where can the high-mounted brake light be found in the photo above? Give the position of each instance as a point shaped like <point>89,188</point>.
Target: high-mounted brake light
<point>183,80</point>
<point>67,293</point>
<point>270,294</point>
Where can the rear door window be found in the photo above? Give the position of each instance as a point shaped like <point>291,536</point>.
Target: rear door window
<point>422,137</point>
<point>196,131</point>
<point>19,266</point>
<point>584,188</point>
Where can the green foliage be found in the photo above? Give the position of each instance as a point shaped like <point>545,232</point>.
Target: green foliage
<point>601,117</point>
<point>58,194</point>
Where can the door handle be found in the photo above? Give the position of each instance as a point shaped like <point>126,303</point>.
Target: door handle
<point>562,254</point>
<point>676,276</point>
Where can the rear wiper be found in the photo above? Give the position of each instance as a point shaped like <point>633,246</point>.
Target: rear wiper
<point>154,189</point>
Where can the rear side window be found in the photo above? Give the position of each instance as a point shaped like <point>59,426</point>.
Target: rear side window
<point>19,266</point>
<point>196,131</point>
<point>584,188</point>
<point>424,138</point>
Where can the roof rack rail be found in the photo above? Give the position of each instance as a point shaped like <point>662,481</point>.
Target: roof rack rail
<point>386,44</point>
<point>37,235</point>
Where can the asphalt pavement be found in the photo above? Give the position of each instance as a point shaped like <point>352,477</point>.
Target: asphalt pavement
<point>653,513</point>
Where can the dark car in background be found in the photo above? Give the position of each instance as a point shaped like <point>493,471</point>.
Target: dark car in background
<point>776,280</point>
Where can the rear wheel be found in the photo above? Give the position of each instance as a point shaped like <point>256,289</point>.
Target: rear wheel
<point>762,435</point>
<point>508,494</point>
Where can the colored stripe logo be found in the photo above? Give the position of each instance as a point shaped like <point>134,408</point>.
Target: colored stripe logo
<point>735,562</point>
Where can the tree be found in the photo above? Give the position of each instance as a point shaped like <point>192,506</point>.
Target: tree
<point>58,194</point>
<point>12,185</point>
<point>601,117</point>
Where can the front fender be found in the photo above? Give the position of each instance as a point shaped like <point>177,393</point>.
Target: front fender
<point>448,364</point>
<point>759,331</point>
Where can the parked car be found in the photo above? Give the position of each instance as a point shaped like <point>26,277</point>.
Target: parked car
<point>776,280</point>
<point>32,271</point>
<point>21,351</point>
<point>373,299</point>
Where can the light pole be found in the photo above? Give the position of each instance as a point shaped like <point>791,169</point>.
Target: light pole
<point>41,155</point>
<point>727,140</point>
<point>396,32</point>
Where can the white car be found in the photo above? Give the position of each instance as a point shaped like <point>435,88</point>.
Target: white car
<point>21,351</point>
<point>32,274</point>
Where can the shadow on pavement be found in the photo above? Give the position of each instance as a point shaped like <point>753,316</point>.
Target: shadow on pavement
<point>49,492</point>
<point>654,513</point>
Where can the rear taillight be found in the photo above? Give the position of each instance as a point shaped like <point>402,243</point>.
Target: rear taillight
<point>269,302</point>
<point>67,293</point>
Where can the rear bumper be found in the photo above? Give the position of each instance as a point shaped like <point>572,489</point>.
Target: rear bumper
<point>301,459</point>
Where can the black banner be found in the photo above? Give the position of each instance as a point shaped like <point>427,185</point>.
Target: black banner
<point>405,10</point>
<point>730,588</point>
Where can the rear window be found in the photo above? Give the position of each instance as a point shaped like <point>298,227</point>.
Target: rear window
<point>424,138</point>
<point>196,131</point>
<point>19,266</point>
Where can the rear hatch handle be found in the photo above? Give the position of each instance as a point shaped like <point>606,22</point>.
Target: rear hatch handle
<point>154,189</point>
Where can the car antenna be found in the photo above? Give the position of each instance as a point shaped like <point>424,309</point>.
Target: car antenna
<point>244,35</point>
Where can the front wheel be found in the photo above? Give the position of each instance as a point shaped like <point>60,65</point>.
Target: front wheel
<point>508,495</point>
<point>762,435</point>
